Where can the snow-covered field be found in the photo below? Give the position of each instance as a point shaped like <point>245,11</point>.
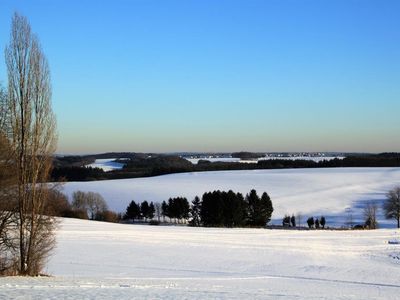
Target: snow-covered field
<point>337,193</point>
<point>95,260</point>
<point>107,164</point>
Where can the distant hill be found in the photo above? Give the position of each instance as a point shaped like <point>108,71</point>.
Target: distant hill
<point>72,168</point>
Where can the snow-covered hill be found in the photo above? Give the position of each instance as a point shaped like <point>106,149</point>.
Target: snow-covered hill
<point>337,193</point>
<point>95,260</point>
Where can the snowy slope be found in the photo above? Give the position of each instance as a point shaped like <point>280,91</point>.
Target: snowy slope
<point>97,260</point>
<point>338,193</point>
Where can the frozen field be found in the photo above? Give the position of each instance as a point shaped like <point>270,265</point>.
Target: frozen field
<point>337,193</point>
<point>97,260</point>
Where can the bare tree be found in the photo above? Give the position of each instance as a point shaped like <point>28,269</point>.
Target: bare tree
<point>3,110</point>
<point>392,205</point>
<point>32,139</point>
<point>158,209</point>
<point>96,204</point>
<point>299,219</point>
<point>90,202</point>
<point>370,210</point>
<point>79,200</point>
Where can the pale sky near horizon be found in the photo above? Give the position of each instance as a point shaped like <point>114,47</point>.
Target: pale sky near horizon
<point>219,75</point>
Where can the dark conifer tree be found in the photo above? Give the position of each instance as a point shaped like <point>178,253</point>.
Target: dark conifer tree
<point>310,222</point>
<point>144,209</point>
<point>195,212</point>
<point>286,221</point>
<point>259,210</point>
<point>322,221</point>
<point>171,211</point>
<point>293,221</point>
<point>152,210</point>
<point>240,212</point>
<point>316,223</point>
<point>184,208</point>
<point>211,209</point>
<point>266,208</point>
<point>233,209</point>
<point>132,211</point>
<point>253,203</point>
<point>164,210</point>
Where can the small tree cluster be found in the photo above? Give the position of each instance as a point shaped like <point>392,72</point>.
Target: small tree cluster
<point>176,208</point>
<point>223,209</point>
<point>140,211</point>
<point>89,203</point>
<point>289,221</point>
<point>259,209</point>
<point>147,210</point>
<point>229,209</point>
<point>318,223</point>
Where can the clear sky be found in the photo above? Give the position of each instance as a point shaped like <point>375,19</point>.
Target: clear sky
<point>219,75</point>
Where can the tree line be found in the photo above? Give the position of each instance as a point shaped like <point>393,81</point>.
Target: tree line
<point>229,209</point>
<point>140,211</point>
<point>214,209</point>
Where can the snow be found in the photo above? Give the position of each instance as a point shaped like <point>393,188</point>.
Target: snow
<point>313,158</point>
<point>337,193</point>
<point>213,159</point>
<point>107,164</point>
<point>95,260</point>
<point>233,159</point>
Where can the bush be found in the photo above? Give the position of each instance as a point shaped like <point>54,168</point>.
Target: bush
<point>57,204</point>
<point>108,216</point>
<point>75,213</point>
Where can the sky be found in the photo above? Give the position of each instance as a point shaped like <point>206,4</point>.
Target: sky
<point>219,75</point>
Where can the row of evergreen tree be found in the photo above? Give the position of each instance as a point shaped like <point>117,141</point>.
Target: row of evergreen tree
<point>139,211</point>
<point>176,208</point>
<point>317,223</point>
<point>290,221</point>
<point>214,209</point>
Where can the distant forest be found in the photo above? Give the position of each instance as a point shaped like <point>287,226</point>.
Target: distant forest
<point>71,168</point>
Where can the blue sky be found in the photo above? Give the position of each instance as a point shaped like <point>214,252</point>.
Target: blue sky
<point>162,76</point>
